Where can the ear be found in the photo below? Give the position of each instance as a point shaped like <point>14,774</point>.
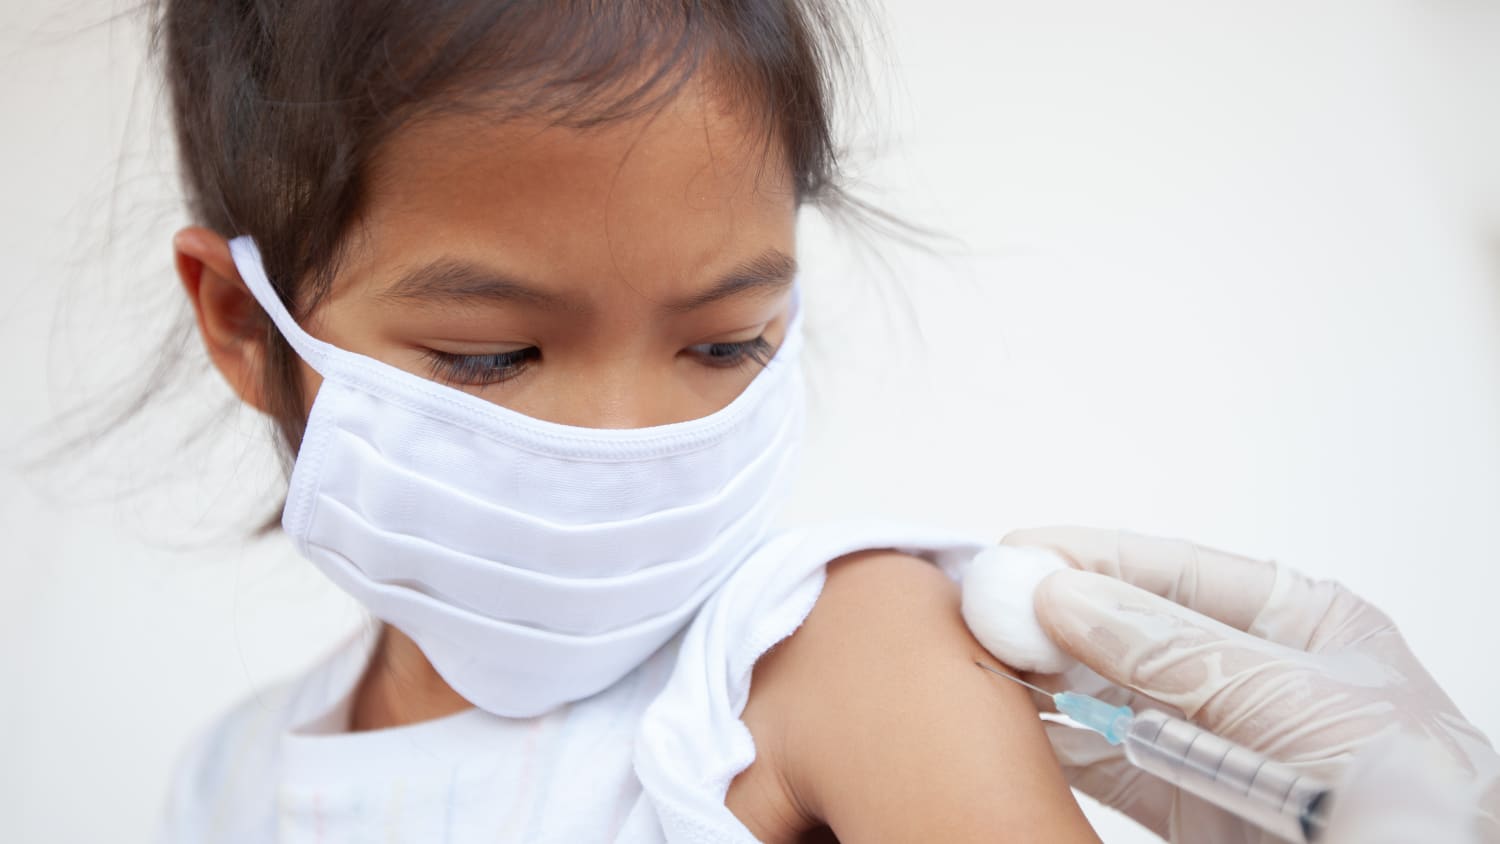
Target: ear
<point>231,322</point>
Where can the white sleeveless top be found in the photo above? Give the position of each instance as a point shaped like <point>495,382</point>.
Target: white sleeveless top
<point>649,759</point>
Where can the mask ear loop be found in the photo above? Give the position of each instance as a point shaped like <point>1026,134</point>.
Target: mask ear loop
<point>315,352</point>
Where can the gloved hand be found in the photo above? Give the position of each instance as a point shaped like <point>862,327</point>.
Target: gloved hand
<point>1301,670</point>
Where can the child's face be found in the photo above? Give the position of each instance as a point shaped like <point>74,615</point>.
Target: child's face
<point>574,259</point>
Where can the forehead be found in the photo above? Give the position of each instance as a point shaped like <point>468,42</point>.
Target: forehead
<point>655,203</point>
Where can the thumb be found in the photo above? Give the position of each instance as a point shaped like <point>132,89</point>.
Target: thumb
<point>1100,770</point>
<point>1149,644</point>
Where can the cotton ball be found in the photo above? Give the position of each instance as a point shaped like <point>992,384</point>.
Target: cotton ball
<point>997,588</point>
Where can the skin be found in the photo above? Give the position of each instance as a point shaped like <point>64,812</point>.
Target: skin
<point>615,223</point>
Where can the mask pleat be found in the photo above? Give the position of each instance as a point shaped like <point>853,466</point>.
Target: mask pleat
<point>404,502</point>
<point>553,488</point>
<point>567,604</point>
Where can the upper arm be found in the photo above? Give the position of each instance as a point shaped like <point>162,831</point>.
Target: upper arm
<point>880,725</point>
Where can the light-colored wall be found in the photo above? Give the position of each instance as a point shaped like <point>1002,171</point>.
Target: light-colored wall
<point>1234,275</point>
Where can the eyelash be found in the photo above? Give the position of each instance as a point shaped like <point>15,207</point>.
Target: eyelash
<point>725,355</point>
<point>480,370</point>
<point>483,370</point>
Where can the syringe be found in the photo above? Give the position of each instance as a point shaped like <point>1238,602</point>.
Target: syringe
<point>1271,795</point>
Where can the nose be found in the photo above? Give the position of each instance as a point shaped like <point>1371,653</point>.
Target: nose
<point>624,394</point>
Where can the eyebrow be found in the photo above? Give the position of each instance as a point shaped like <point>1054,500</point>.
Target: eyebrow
<point>768,272</point>
<point>454,280</point>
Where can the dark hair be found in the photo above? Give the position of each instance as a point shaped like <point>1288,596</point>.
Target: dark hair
<point>278,106</point>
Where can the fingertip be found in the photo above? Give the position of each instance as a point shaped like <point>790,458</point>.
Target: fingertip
<point>1048,587</point>
<point>1052,602</point>
<point>1066,589</point>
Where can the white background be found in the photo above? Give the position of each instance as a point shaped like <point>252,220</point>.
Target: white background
<point>1232,273</point>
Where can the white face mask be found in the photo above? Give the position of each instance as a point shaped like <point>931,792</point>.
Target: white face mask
<point>534,563</point>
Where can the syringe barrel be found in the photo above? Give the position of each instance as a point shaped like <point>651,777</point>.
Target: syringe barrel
<point>1244,783</point>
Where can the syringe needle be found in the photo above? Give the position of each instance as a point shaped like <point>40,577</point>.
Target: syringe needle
<point>1009,676</point>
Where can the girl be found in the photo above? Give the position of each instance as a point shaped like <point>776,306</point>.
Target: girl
<point>517,283</point>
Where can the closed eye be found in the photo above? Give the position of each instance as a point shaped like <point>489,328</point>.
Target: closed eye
<point>726,355</point>
<point>483,370</point>
<point>480,370</point>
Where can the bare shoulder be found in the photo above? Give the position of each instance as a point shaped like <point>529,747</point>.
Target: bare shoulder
<point>873,719</point>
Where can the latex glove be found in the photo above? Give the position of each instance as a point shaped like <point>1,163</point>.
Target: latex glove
<point>1302,670</point>
<point>1394,792</point>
